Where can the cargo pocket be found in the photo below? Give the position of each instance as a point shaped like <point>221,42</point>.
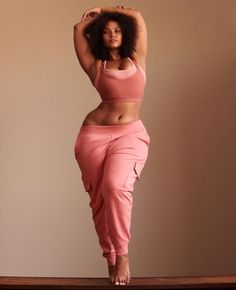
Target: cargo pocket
<point>133,175</point>
<point>87,184</point>
<point>138,169</point>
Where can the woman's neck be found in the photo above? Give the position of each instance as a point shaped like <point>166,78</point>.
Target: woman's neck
<point>114,56</point>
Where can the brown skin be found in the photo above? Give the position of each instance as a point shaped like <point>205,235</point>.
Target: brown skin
<point>114,113</point>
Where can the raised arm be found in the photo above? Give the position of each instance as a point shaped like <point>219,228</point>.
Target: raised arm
<point>82,48</point>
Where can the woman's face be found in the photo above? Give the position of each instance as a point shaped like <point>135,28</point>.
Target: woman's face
<point>112,35</point>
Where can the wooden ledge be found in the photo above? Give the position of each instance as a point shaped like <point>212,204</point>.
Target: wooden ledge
<point>46,283</point>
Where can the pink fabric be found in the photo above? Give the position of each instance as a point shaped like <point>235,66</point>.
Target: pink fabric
<point>111,158</point>
<point>121,85</point>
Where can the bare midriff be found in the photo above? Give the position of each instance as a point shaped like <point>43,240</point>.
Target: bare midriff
<point>113,114</point>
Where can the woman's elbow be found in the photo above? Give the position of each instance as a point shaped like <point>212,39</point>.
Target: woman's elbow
<point>75,26</point>
<point>136,11</point>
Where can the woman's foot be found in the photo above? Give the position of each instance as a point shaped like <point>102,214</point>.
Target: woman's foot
<point>122,273</point>
<point>111,271</point>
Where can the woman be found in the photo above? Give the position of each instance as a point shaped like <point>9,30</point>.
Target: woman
<point>112,145</point>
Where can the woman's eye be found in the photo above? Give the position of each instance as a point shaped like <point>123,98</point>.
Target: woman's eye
<point>116,31</point>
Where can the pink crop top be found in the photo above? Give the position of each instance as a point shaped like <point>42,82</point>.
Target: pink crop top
<point>116,85</point>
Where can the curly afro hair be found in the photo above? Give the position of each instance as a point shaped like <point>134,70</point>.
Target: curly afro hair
<point>94,34</point>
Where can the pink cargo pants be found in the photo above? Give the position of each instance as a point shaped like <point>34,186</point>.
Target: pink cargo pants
<point>111,158</point>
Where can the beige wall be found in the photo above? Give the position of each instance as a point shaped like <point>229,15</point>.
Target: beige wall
<point>184,206</point>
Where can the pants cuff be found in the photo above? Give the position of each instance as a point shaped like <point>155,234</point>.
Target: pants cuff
<point>111,258</point>
<point>120,252</point>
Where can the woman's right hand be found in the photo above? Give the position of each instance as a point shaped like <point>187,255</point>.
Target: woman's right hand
<point>123,7</point>
<point>91,13</point>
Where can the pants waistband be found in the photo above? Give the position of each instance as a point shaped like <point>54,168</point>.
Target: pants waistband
<point>136,125</point>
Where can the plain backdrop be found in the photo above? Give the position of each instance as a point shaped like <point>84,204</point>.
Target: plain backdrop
<point>184,205</point>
